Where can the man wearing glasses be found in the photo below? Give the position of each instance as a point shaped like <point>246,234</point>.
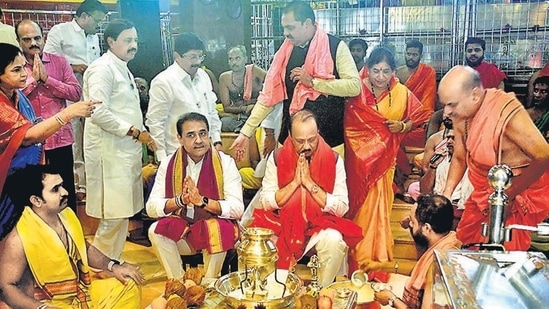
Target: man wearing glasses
<point>490,75</point>
<point>181,88</point>
<point>78,42</point>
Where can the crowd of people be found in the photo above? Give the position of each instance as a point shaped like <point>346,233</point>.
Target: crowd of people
<point>329,124</point>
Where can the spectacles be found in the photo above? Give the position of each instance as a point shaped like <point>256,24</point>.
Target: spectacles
<point>195,57</point>
<point>95,19</point>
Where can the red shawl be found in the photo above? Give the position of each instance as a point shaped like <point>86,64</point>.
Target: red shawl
<point>530,206</point>
<point>370,148</point>
<point>490,75</point>
<point>205,231</point>
<point>302,216</point>
<point>318,63</point>
<point>423,84</point>
<point>544,71</point>
<point>248,82</point>
<point>13,127</point>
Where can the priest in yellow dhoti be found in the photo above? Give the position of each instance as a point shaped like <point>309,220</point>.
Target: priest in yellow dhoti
<point>45,261</point>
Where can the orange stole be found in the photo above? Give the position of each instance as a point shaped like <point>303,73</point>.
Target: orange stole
<point>415,286</point>
<point>529,207</point>
<point>423,84</point>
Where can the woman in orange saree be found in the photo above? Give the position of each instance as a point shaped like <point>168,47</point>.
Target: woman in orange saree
<point>375,124</point>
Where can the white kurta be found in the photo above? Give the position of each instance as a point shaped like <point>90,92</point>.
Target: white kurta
<point>113,159</point>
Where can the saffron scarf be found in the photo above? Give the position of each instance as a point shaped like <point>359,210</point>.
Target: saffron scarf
<point>318,63</point>
<point>415,286</point>
<point>423,84</point>
<point>56,274</point>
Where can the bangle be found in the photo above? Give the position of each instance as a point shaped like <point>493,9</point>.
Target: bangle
<point>60,120</point>
<point>179,201</point>
<point>42,306</point>
<point>112,263</point>
<point>403,127</point>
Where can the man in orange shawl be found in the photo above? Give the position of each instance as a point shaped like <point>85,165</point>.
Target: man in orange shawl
<point>492,127</point>
<point>197,194</point>
<point>421,79</point>
<point>431,227</point>
<point>311,70</point>
<point>304,197</point>
<point>375,124</point>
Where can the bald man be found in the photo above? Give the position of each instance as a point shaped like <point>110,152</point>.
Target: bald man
<point>492,127</point>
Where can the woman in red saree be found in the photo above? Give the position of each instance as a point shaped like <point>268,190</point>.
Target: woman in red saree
<point>375,124</point>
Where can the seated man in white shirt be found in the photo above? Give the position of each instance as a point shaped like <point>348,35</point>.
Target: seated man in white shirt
<point>304,198</point>
<point>197,195</point>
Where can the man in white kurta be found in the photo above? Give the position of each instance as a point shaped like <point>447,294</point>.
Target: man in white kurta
<point>78,42</point>
<point>112,150</point>
<point>182,88</point>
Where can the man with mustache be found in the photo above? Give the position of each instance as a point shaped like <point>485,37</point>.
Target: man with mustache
<point>45,261</point>
<point>181,88</point>
<point>50,84</point>
<point>304,199</point>
<point>197,195</point>
<point>539,112</point>
<point>78,42</point>
<point>312,70</point>
<point>490,75</point>
<point>113,138</point>
<point>430,225</point>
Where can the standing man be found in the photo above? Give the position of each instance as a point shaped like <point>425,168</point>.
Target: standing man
<point>539,111</point>
<point>490,75</point>
<point>197,195</point>
<point>421,79</point>
<point>304,198</point>
<point>239,89</point>
<point>311,70</point>
<point>112,140</point>
<point>181,88</point>
<point>430,225</point>
<point>78,42</point>
<point>45,261</point>
<point>7,32</point>
<point>50,84</point>
<point>358,48</point>
<point>492,127</point>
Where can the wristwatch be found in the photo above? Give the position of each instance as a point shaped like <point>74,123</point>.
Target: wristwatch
<point>314,189</point>
<point>392,301</point>
<point>205,201</point>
